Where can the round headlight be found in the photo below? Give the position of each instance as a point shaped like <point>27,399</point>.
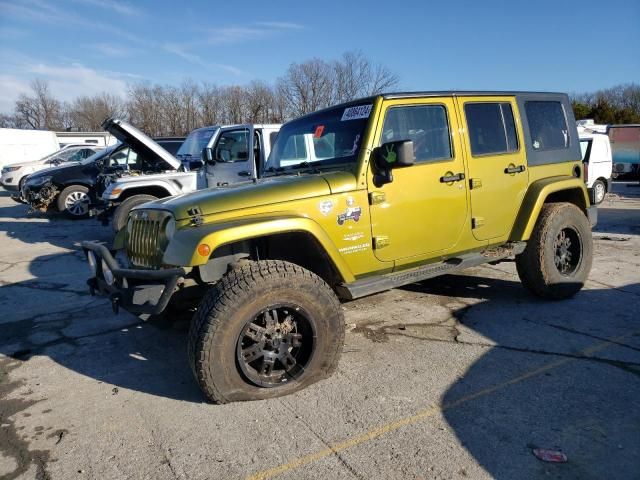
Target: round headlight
<point>91,259</point>
<point>107,273</point>
<point>170,228</point>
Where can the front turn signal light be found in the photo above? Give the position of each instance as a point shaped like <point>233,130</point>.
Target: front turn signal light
<point>204,250</point>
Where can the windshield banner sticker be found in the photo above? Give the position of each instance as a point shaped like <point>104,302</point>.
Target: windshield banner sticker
<point>354,113</point>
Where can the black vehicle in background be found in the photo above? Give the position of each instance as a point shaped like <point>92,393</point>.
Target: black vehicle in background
<point>170,144</point>
<point>74,188</point>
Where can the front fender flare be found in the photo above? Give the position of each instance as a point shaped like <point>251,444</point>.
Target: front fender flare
<point>183,248</point>
<point>535,198</point>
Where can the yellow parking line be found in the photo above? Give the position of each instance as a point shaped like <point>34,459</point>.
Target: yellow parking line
<point>421,415</point>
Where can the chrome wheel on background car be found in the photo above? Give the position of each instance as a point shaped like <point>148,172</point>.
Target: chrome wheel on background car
<point>77,203</point>
<point>74,201</point>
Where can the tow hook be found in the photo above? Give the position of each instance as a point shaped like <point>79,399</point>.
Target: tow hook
<point>115,303</point>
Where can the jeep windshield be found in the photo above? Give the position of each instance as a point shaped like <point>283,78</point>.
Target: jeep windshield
<point>195,142</point>
<point>324,139</point>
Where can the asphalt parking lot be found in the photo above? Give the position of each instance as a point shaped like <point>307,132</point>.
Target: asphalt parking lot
<point>461,376</point>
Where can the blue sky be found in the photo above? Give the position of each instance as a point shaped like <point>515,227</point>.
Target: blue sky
<point>84,47</point>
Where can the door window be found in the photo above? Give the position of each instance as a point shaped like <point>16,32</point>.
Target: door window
<point>232,146</point>
<point>426,125</point>
<point>492,129</point>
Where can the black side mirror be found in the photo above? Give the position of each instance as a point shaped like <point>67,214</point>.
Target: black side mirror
<point>389,156</point>
<point>207,156</point>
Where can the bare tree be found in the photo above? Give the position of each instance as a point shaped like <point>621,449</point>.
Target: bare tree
<point>235,111</point>
<point>40,110</point>
<point>88,113</point>
<point>307,87</point>
<point>210,105</point>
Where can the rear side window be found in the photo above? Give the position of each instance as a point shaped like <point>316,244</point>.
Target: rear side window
<point>585,149</point>
<point>547,125</point>
<point>426,125</point>
<point>492,129</point>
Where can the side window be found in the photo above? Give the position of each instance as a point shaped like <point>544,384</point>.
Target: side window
<point>119,157</point>
<point>547,125</point>
<point>295,148</point>
<point>232,146</point>
<point>585,149</point>
<point>492,129</point>
<point>426,125</point>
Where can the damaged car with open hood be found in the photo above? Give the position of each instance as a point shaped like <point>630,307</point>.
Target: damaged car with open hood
<point>75,189</point>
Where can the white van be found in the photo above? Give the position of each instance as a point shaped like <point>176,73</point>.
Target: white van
<point>100,139</point>
<point>598,164</point>
<point>17,145</point>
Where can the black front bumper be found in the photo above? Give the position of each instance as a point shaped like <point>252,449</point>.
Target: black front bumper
<point>137,291</point>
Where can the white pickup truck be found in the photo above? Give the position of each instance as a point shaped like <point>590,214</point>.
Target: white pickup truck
<point>212,156</point>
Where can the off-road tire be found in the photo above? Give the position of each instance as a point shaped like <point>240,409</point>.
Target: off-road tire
<point>121,213</point>
<point>536,265</point>
<point>599,188</point>
<point>236,300</point>
<point>62,198</point>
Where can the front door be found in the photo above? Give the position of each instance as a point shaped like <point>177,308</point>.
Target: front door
<point>423,211</point>
<point>498,175</point>
<point>233,158</point>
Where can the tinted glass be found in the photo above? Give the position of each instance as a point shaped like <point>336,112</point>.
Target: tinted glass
<point>336,135</point>
<point>232,146</point>
<point>492,129</point>
<point>195,142</point>
<point>547,125</point>
<point>585,149</point>
<point>427,126</point>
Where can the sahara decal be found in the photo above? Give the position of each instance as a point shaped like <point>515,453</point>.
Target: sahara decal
<point>352,237</point>
<point>354,113</point>
<point>354,248</point>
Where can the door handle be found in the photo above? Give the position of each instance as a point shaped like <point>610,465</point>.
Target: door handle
<point>450,177</point>
<point>513,169</point>
<point>244,173</point>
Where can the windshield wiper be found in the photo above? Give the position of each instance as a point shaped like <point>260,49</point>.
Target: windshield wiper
<point>308,165</point>
<point>275,170</point>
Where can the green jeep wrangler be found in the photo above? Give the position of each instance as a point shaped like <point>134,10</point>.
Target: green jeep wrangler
<point>356,199</point>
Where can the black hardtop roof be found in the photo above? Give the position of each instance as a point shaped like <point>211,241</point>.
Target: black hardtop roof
<point>433,93</point>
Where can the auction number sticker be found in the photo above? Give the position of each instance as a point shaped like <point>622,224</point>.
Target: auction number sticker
<point>354,113</point>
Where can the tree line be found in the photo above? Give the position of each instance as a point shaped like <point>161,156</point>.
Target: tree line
<point>167,110</point>
<point>616,105</point>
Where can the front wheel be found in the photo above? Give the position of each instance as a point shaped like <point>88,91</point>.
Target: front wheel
<point>557,260</point>
<point>74,201</point>
<point>267,329</point>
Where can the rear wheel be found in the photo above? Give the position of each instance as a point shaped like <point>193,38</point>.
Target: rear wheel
<point>267,329</point>
<point>121,214</point>
<point>74,201</point>
<point>557,260</point>
<point>599,191</point>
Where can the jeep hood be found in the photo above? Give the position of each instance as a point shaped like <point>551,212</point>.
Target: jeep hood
<point>269,191</point>
<point>139,142</point>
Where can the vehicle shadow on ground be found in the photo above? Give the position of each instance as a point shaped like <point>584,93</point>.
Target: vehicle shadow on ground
<point>548,380</point>
<point>88,338</point>
<point>618,221</point>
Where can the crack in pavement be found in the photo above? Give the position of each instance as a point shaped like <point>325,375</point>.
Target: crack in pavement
<point>578,332</point>
<point>337,454</point>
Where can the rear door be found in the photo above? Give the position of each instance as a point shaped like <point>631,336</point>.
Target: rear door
<point>498,174</point>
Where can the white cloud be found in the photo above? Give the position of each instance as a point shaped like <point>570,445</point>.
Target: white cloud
<point>197,60</point>
<point>115,51</point>
<point>11,88</point>
<point>69,82</point>
<point>66,81</point>
<point>117,7</point>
